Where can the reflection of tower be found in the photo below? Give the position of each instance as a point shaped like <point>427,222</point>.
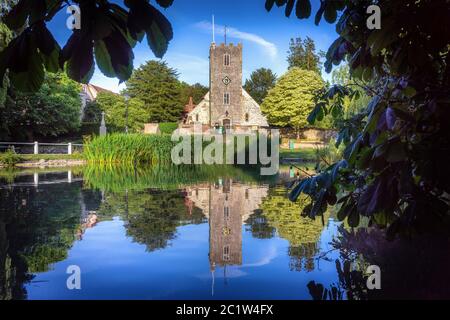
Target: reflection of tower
<point>227,205</point>
<point>225,223</point>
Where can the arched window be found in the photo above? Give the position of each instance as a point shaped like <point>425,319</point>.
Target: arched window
<point>246,117</point>
<point>196,117</point>
<point>226,59</point>
<point>226,98</point>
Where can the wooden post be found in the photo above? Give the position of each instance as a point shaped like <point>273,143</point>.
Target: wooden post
<point>69,148</point>
<point>36,147</point>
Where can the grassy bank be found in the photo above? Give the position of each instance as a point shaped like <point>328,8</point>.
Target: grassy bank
<point>10,159</point>
<point>304,154</point>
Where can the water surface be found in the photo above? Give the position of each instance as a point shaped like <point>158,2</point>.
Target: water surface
<point>140,234</point>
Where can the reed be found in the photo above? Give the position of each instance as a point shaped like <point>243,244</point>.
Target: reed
<point>129,149</point>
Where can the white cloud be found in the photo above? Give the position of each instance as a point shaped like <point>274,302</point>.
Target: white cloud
<point>269,47</point>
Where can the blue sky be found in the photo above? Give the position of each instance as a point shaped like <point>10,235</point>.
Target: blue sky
<point>265,36</point>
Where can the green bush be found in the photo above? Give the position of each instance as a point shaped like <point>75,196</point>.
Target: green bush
<point>9,158</point>
<point>168,127</point>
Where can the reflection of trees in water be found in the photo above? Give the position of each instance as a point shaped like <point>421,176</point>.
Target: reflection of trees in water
<point>37,228</point>
<point>411,268</point>
<point>151,216</point>
<point>302,257</point>
<point>258,225</point>
<point>302,233</point>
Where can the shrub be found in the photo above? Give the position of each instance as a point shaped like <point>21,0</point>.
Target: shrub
<point>9,158</point>
<point>168,127</point>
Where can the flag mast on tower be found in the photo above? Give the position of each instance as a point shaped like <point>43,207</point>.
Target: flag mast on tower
<point>213,30</point>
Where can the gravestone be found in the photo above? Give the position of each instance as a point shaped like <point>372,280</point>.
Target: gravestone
<point>103,125</point>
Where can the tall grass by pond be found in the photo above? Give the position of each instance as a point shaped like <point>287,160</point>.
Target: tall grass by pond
<point>154,149</point>
<point>129,149</point>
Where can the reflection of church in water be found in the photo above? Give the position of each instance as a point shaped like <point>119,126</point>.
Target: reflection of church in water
<point>227,205</point>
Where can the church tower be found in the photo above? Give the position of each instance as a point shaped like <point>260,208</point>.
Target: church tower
<point>225,83</point>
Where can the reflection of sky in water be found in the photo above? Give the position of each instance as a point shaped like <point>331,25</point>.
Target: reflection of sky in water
<point>113,266</point>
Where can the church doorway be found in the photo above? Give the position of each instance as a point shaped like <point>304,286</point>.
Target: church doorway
<point>226,124</point>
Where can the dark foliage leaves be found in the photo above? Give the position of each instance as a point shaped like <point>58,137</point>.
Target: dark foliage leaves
<point>108,33</point>
<point>396,149</point>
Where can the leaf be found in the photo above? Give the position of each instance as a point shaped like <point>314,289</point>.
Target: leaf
<point>121,55</point>
<point>353,218</point>
<point>269,4</point>
<point>316,114</point>
<point>31,79</point>
<point>319,13</point>
<point>289,7</point>
<point>343,212</point>
<point>103,59</point>
<point>330,13</point>
<point>318,205</point>
<point>303,9</point>
<point>390,118</point>
<point>159,34</point>
<point>165,3</point>
<point>79,55</point>
<point>371,199</point>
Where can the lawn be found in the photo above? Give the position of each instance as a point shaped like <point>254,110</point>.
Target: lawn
<point>305,154</point>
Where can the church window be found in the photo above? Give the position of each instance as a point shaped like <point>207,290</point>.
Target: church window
<point>226,98</point>
<point>226,213</point>
<point>226,59</point>
<point>196,117</point>
<point>226,253</point>
<point>246,117</point>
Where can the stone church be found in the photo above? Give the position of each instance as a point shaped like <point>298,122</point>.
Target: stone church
<point>227,105</point>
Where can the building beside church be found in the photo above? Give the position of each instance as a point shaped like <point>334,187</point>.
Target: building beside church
<point>226,105</point>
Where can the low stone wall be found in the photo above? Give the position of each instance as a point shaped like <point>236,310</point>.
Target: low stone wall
<point>310,134</point>
<point>50,163</point>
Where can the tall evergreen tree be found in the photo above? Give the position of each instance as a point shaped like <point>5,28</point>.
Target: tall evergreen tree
<point>157,86</point>
<point>259,83</point>
<point>303,54</point>
<point>196,91</point>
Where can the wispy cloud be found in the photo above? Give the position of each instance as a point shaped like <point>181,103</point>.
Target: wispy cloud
<point>269,47</point>
<point>191,68</point>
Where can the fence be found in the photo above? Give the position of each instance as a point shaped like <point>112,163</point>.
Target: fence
<point>41,148</point>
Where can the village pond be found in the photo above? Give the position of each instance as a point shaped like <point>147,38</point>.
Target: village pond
<point>198,233</point>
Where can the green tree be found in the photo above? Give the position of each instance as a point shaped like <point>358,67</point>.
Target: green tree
<point>115,109</point>
<point>259,83</point>
<point>196,91</point>
<point>303,54</point>
<point>51,111</point>
<point>157,86</point>
<point>108,32</point>
<point>5,37</point>
<point>292,99</point>
<point>395,168</point>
